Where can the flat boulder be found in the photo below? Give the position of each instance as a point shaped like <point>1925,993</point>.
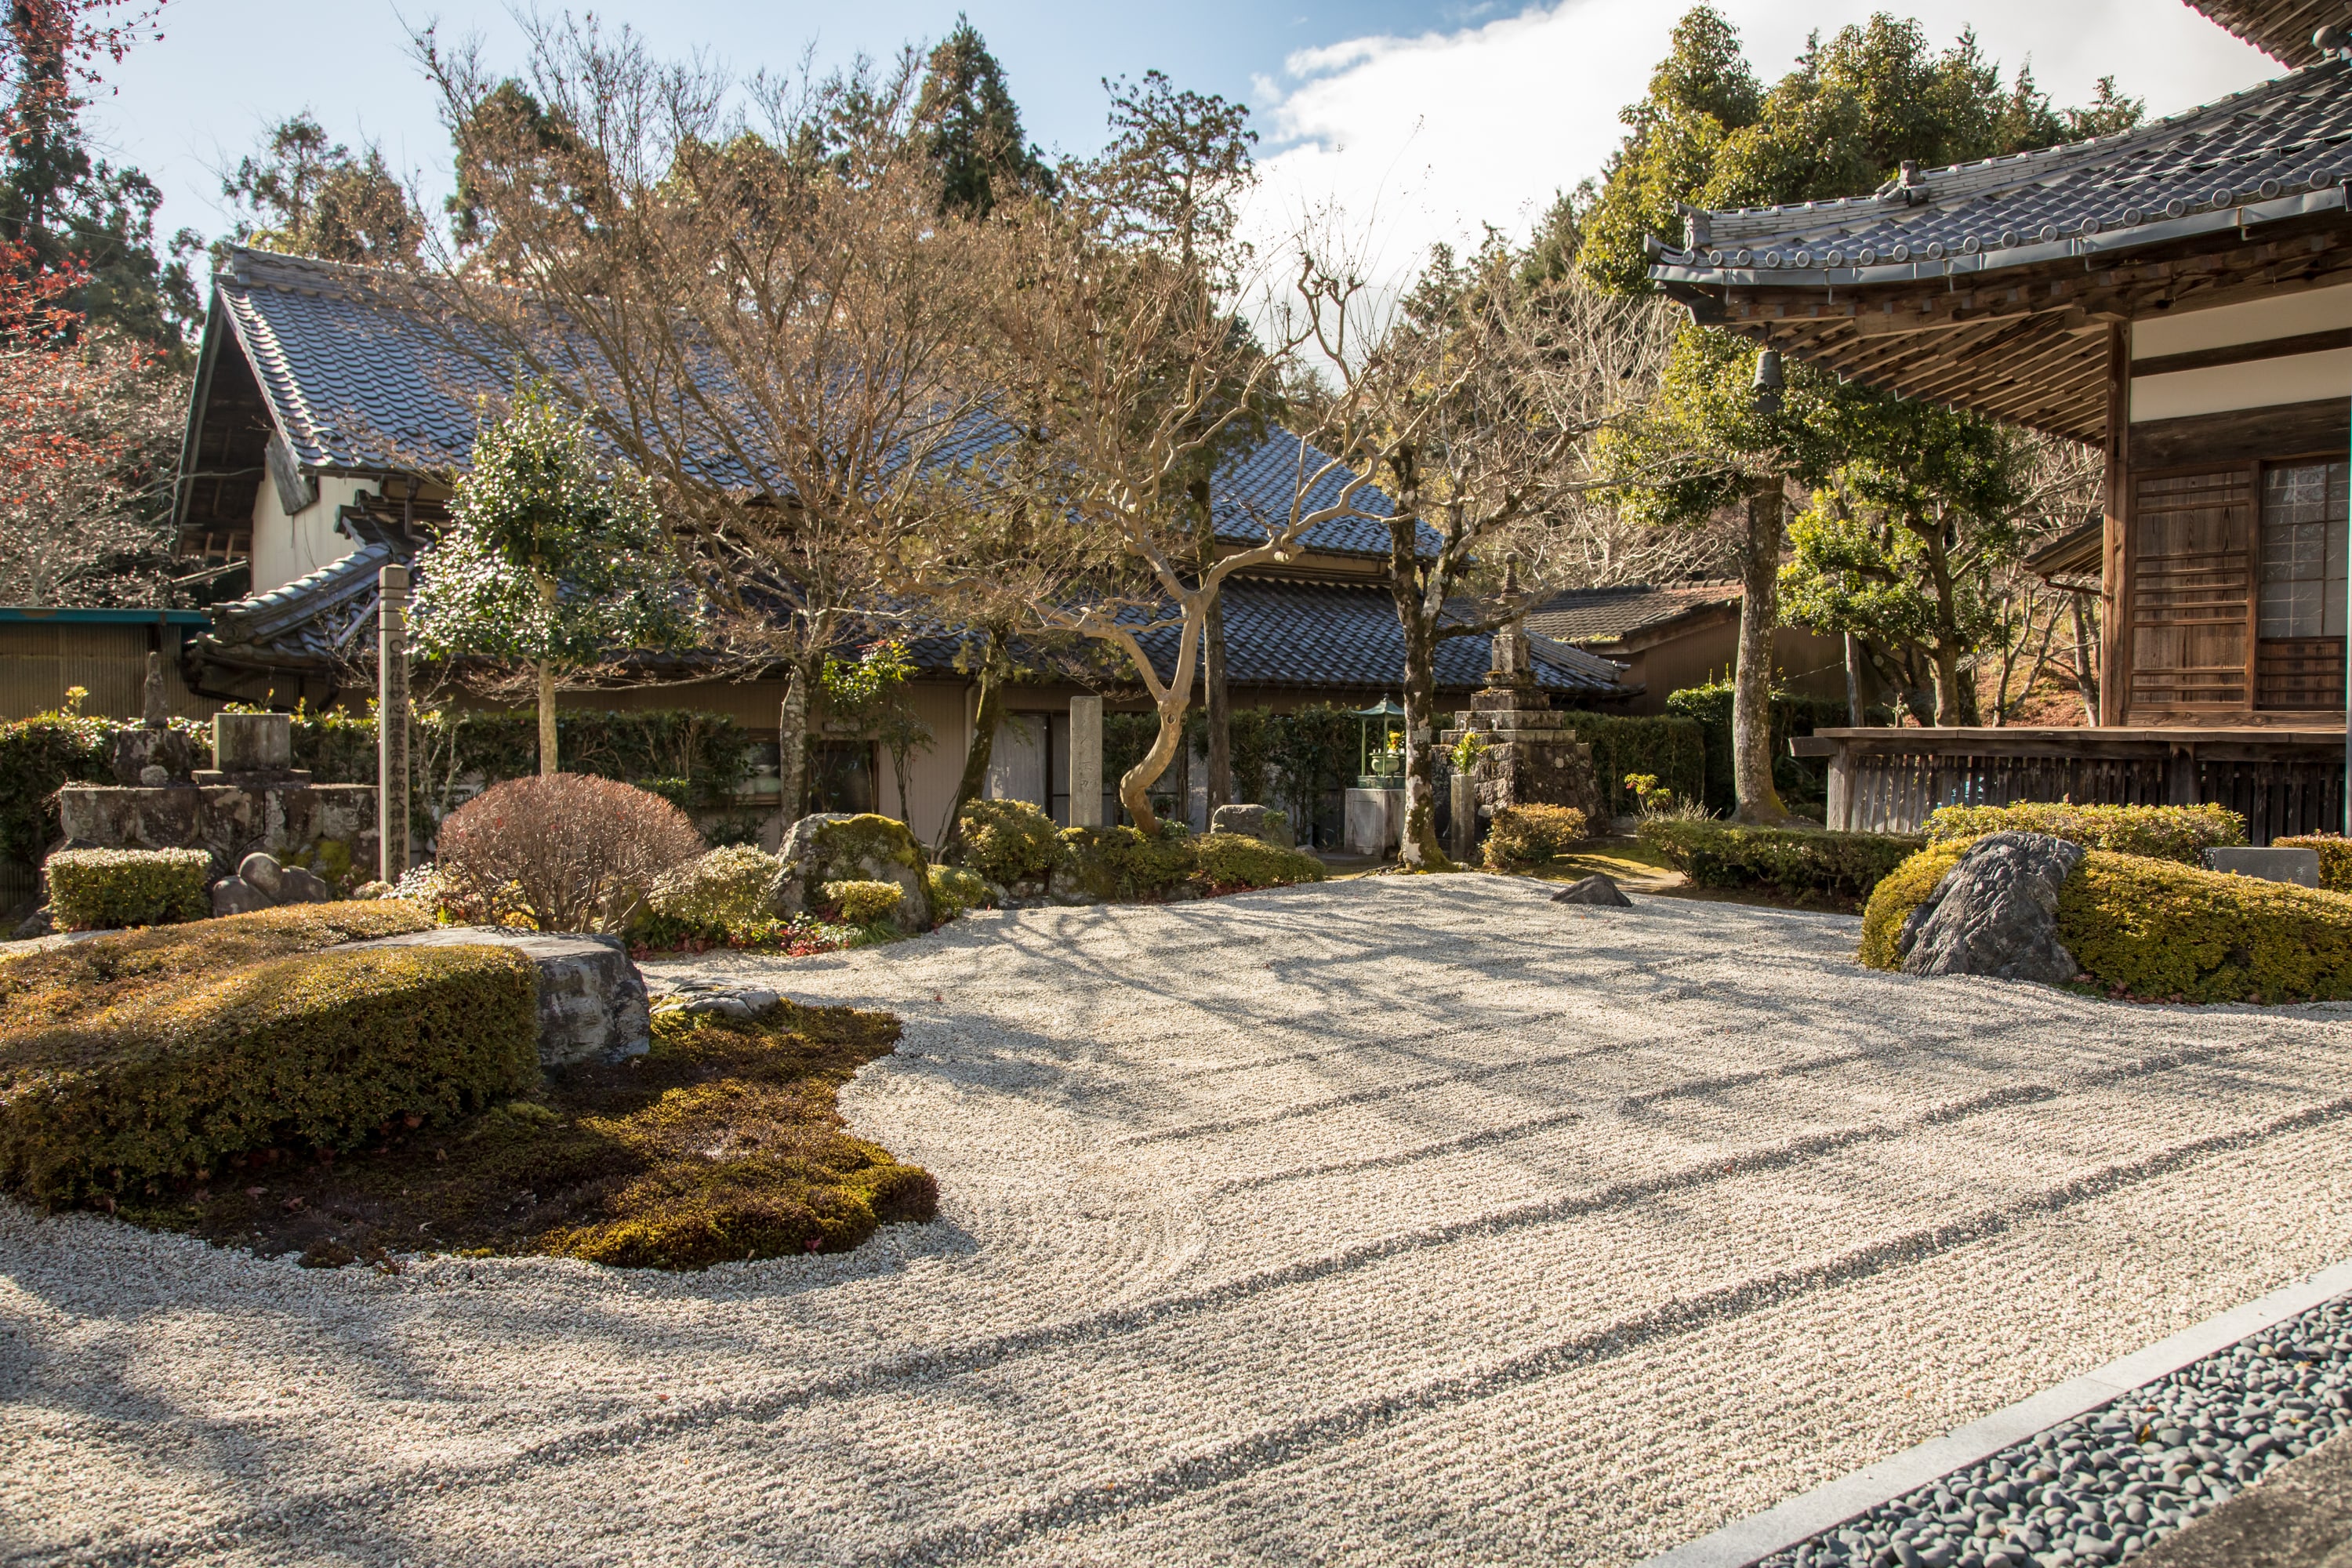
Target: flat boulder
<point>1996,912</point>
<point>592,1000</point>
<point>836,846</point>
<point>1260,822</point>
<point>1595,889</point>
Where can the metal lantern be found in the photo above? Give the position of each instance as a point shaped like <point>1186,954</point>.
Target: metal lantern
<point>1383,710</point>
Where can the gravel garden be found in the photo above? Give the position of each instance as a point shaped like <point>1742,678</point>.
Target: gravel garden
<point>1391,1219</point>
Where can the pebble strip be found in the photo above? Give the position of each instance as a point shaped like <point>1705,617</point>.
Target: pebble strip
<point>2097,1489</point>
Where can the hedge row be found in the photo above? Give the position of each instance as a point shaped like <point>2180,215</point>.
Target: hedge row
<point>1797,778</point>
<point>98,889</point>
<point>1671,748</point>
<point>1793,861</point>
<point>2159,930</point>
<point>322,1050</point>
<point>2181,833</point>
<point>2334,857</point>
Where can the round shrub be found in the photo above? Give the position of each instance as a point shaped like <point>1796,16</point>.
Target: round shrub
<point>954,890</point>
<point>727,887</point>
<point>865,903</point>
<point>2181,833</point>
<point>1007,841</point>
<point>1235,861</point>
<point>573,852</point>
<point>1525,836</point>
<point>98,890</point>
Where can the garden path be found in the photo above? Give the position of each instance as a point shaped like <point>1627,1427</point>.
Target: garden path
<point>1397,1220</point>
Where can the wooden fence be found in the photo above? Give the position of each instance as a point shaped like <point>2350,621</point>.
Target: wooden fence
<point>1889,781</point>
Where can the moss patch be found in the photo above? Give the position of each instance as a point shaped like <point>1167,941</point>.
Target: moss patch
<point>723,1143</point>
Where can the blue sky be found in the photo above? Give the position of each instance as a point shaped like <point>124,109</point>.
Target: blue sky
<point>1415,122</point>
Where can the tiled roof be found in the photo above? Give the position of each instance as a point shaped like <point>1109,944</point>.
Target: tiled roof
<point>319,621</point>
<point>2276,151</point>
<point>2280,28</point>
<point>1603,614</point>
<point>356,379</point>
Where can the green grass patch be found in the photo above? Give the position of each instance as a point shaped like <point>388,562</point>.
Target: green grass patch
<point>724,1143</point>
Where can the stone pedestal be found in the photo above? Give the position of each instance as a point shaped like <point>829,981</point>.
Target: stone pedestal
<point>1532,758</point>
<point>1463,841</point>
<point>1375,821</point>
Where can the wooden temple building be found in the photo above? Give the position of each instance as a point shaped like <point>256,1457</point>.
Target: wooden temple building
<point>2179,295</point>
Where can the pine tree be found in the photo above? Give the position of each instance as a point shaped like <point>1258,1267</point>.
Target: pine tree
<point>970,129</point>
<point>307,197</point>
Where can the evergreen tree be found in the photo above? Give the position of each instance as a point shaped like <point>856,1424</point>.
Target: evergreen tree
<point>970,129</point>
<point>307,197</point>
<point>69,212</point>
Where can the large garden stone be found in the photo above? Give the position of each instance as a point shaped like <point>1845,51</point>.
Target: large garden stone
<point>1260,822</point>
<point>1596,890</point>
<point>835,847</point>
<point>1996,912</point>
<point>592,1000</point>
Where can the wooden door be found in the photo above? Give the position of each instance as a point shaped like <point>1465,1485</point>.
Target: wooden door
<point>2192,593</point>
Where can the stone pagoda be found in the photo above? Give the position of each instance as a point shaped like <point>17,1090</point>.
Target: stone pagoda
<point>1532,757</point>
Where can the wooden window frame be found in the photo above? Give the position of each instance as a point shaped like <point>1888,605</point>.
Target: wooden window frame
<point>2262,466</point>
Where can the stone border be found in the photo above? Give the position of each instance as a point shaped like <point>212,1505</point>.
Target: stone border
<point>1748,1540</point>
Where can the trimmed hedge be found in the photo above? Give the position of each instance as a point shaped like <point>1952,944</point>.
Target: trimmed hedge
<point>2334,857</point>
<point>1523,838</point>
<point>1120,863</point>
<point>2181,833</point>
<point>326,1049</point>
<point>954,891</point>
<point>1237,861</point>
<point>1669,748</point>
<point>1790,860</point>
<point>98,889</point>
<point>2160,931</point>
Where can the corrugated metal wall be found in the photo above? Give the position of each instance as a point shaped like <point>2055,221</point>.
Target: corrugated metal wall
<point>38,662</point>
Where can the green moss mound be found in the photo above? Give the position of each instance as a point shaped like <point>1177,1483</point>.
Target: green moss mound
<point>1120,863</point>
<point>103,890</point>
<point>722,1144</point>
<point>1795,862</point>
<point>320,1050</point>
<point>1236,860</point>
<point>2181,833</point>
<point>955,892</point>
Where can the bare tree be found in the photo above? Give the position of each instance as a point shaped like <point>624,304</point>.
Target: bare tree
<point>749,290</point>
<point>1474,403</point>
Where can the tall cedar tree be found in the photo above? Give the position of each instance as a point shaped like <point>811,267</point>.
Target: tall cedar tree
<point>307,196</point>
<point>970,129</point>
<point>1854,110</point>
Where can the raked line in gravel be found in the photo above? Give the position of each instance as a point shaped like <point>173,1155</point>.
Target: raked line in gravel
<point>1390,1221</point>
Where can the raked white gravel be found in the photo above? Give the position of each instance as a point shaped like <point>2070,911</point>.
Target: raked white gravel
<point>1389,1221</point>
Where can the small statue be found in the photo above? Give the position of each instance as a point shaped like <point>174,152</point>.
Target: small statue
<point>158,712</point>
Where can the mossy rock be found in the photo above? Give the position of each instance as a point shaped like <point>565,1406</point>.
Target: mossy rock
<point>2159,931</point>
<point>1118,864</point>
<point>835,847</point>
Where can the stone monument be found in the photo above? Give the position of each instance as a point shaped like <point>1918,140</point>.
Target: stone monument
<point>151,752</point>
<point>1532,757</point>
<point>1085,762</point>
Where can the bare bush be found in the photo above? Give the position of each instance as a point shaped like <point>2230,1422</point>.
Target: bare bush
<point>572,851</point>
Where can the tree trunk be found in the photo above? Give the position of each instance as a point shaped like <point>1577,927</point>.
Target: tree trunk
<point>986,715</point>
<point>1853,685</point>
<point>1751,685</point>
<point>791,750</point>
<point>1417,846</point>
<point>1220,712</point>
<point>2086,680</point>
<point>1948,685</point>
<point>547,758</point>
<point>1135,788</point>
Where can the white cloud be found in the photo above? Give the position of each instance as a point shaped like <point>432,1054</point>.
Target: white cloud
<point>1412,140</point>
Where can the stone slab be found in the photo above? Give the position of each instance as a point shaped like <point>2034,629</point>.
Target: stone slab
<point>1748,1540</point>
<point>1374,821</point>
<point>2300,867</point>
<point>592,1000</point>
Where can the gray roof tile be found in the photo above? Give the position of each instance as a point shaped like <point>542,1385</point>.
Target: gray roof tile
<point>2273,152</point>
<point>1603,615</point>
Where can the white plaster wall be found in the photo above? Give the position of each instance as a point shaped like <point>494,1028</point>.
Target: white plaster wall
<point>2277,316</point>
<point>2257,383</point>
<point>287,547</point>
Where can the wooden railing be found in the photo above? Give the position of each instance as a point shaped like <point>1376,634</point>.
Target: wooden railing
<point>1889,780</point>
